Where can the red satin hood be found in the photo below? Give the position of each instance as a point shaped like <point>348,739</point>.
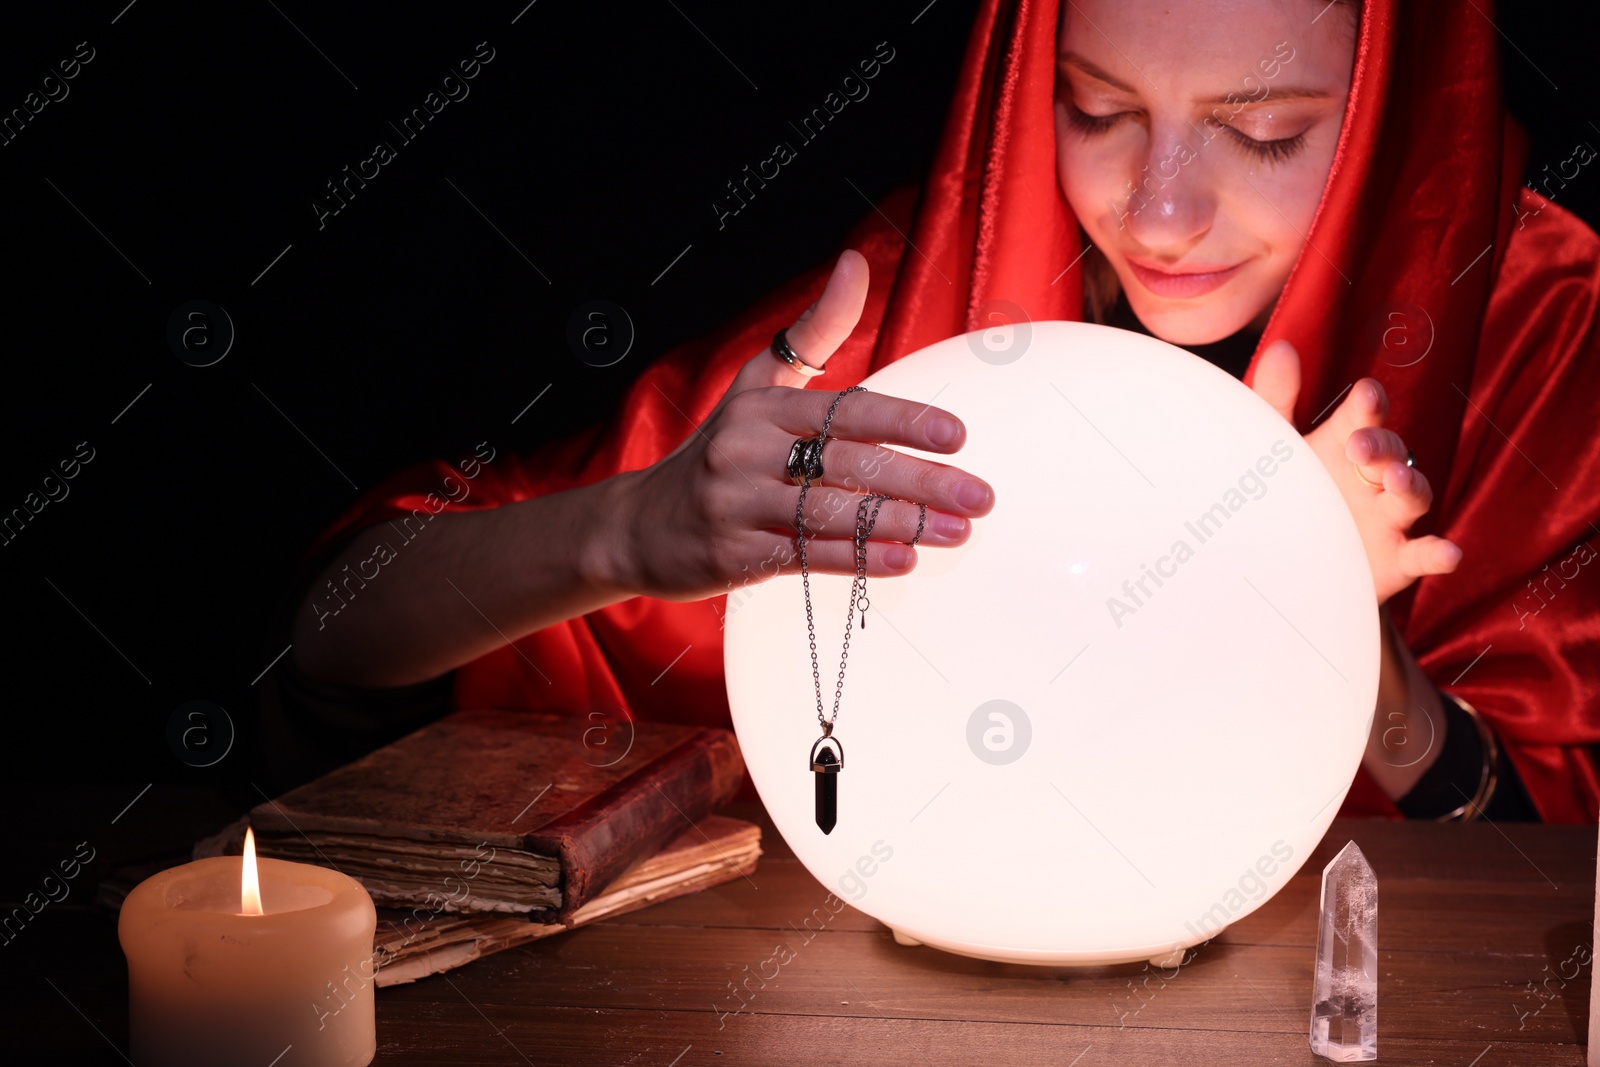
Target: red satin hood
<point>1417,215</point>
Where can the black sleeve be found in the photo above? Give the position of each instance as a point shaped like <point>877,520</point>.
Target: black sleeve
<point>307,727</point>
<point>311,727</point>
<point>1454,777</point>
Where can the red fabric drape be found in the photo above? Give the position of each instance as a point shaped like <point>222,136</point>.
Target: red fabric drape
<point>1417,215</point>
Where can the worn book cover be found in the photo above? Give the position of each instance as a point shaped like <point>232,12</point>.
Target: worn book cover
<point>494,811</point>
<point>417,942</point>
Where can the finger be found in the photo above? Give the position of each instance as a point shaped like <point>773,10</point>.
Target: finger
<point>861,468</point>
<point>829,319</point>
<point>825,325</point>
<point>1408,494</point>
<point>1276,378</point>
<point>870,417</point>
<point>1366,404</point>
<point>818,332</point>
<point>1372,449</point>
<point>831,512</point>
<point>834,555</point>
<point>1422,556</point>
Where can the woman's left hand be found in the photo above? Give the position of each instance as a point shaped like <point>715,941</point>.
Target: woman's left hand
<point>1354,439</point>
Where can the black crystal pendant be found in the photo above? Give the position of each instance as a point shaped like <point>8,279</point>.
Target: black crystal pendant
<point>827,797</point>
<point>827,760</point>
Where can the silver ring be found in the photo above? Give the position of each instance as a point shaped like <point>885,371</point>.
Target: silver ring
<point>1411,458</point>
<point>805,460</point>
<point>784,351</point>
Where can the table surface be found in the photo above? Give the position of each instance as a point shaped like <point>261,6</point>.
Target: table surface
<point>1482,931</point>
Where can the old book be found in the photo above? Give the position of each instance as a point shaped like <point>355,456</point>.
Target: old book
<point>502,812</point>
<point>414,944</point>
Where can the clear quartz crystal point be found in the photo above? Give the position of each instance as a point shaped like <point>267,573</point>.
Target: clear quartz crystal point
<point>1344,1000</point>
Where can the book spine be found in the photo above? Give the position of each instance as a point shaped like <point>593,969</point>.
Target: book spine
<point>635,817</point>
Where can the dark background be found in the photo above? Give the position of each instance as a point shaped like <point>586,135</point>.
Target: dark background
<point>414,324</point>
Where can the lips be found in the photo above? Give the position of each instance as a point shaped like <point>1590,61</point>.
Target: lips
<point>1193,279</point>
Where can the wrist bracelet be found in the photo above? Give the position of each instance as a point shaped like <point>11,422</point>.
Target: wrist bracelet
<point>1490,776</point>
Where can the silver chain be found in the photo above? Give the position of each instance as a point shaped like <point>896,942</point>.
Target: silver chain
<point>858,585</point>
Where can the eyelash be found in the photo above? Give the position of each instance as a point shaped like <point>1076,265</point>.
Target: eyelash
<point>1270,151</point>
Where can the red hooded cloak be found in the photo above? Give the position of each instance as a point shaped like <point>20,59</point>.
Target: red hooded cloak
<point>1423,210</point>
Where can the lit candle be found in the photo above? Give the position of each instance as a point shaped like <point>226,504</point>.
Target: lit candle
<point>228,965</point>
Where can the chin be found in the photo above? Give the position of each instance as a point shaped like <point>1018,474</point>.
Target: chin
<point>1192,322</point>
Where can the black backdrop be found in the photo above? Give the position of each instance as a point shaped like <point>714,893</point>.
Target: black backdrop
<point>182,163</point>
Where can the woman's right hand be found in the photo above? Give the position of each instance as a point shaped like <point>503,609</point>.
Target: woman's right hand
<point>718,511</point>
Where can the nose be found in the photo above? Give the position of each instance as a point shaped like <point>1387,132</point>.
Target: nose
<point>1168,206</point>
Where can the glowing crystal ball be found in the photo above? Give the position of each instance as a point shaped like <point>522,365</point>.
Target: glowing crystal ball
<point>1120,716</point>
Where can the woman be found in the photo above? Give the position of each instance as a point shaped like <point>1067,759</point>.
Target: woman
<point>1276,184</point>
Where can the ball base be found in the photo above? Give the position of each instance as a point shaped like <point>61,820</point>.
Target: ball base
<point>1164,959</point>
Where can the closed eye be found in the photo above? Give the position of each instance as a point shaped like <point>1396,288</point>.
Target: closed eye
<point>1271,151</point>
<point>1088,124</point>
<point>1274,151</point>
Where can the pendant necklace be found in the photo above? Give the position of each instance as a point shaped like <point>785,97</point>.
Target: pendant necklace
<point>827,754</point>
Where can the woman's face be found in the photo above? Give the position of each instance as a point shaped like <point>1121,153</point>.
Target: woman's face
<point>1193,142</point>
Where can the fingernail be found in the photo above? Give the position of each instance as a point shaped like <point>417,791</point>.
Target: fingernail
<point>942,431</point>
<point>1453,553</point>
<point>898,558</point>
<point>951,526</point>
<point>972,495</point>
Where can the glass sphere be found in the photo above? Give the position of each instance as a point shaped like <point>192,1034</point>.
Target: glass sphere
<point>1119,717</point>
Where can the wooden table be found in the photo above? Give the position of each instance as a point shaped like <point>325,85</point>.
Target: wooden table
<point>1473,919</point>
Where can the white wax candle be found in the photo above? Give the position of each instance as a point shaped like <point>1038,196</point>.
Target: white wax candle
<point>291,987</point>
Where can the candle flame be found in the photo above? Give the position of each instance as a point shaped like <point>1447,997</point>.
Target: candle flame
<point>249,882</point>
